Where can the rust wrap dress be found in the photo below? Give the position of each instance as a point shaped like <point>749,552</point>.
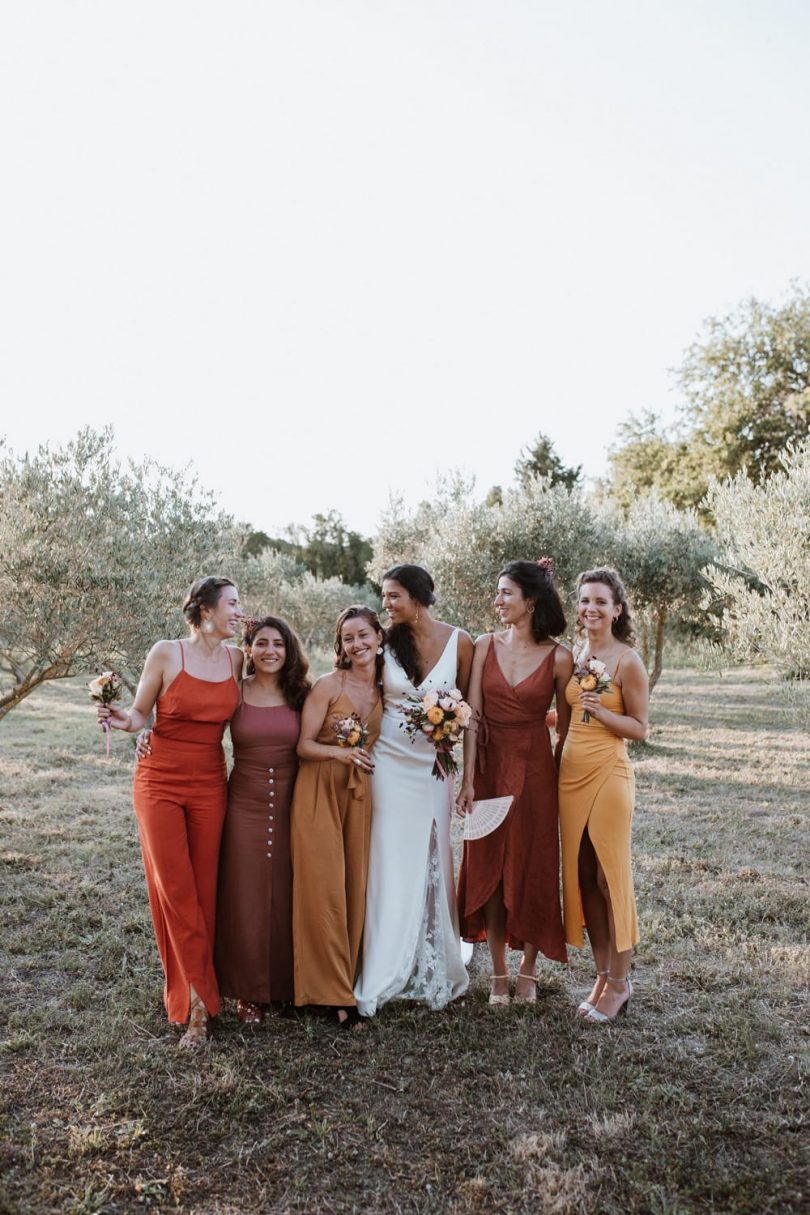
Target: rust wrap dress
<point>331,826</point>
<point>180,794</point>
<point>254,955</point>
<point>514,757</point>
<point>597,792</point>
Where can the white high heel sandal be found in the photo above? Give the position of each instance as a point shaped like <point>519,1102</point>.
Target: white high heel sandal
<point>596,1015</point>
<point>585,1006</point>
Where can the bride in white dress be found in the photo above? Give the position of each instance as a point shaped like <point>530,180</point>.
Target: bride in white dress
<point>411,948</point>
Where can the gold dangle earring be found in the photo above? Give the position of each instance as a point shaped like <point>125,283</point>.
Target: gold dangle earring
<point>416,618</point>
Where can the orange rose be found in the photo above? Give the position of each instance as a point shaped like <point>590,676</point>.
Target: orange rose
<point>588,683</point>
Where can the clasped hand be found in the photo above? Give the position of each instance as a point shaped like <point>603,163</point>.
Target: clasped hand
<point>358,757</point>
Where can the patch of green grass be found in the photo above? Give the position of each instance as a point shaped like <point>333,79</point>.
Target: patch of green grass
<point>695,1102</point>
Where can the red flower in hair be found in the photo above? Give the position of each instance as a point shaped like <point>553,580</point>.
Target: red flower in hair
<point>546,564</point>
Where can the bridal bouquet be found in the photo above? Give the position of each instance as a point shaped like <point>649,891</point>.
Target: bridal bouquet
<point>591,677</point>
<point>105,689</point>
<point>350,731</point>
<point>441,717</point>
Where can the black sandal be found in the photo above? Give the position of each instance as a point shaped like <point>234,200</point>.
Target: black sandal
<point>351,1017</point>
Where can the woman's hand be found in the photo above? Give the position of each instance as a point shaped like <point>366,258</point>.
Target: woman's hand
<point>113,718</point>
<point>143,744</point>
<point>357,757</point>
<point>591,703</point>
<point>465,799</point>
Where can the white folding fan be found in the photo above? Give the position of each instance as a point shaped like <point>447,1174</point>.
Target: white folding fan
<point>486,816</point>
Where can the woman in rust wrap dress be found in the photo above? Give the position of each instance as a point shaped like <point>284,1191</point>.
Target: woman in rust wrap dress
<point>254,950</point>
<point>331,819</point>
<point>508,889</point>
<point>180,793</point>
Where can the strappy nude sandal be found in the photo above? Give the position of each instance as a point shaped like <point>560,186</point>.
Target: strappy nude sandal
<point>502,998</point>
<point>600,1017</point>
<point>531,996</point>
<point>586,1006</point>
<point>197,1029</point>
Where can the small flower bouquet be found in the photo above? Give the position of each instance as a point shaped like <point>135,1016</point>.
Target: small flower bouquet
<point>591,677</point>
<point>441,717</point>
<point>104,690</point>
<point>350,731</point>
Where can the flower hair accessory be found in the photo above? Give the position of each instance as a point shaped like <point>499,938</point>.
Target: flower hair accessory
<point>249,624</point>
<point>546,564</point>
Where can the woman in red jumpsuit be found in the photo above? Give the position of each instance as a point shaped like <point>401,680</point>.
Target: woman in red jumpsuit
<point>180,793</point>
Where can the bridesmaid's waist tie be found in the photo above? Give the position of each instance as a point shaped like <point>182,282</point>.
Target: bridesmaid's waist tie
<point>357,784</point>
<point>525,724</point>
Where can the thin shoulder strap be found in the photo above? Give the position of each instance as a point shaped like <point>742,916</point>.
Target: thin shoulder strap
<point>619,663</point>
<point>182,656</point>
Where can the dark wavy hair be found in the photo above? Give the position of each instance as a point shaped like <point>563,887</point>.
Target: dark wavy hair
<point>536,581</point>
<point>205,592</point>
<point>353,612</point>
<point>293,678</point>
<point>622,626</point>
<point>399,637</point>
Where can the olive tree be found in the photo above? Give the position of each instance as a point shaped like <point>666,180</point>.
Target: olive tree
<point>95,558</point>
<point>275,583</point>
<point>464,543</point>
<point>761,577</point>
<point>660,553</point>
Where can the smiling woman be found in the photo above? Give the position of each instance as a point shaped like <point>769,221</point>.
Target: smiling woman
<point>180,792</point>
<point>509,881</point>
<point>597,789</point>
<point>253,955</point>
<point>331,816</point>
<point>411,948</point>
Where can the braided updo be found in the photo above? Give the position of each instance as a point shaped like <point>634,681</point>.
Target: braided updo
<point>204,593</point>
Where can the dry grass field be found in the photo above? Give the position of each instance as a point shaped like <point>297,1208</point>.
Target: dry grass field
<point>693,1103</point>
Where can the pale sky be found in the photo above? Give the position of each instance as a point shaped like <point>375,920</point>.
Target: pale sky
<point>326,250</point>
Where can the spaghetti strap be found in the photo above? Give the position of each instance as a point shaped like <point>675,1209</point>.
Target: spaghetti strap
<point>182,657</point>
<point>618,664</point>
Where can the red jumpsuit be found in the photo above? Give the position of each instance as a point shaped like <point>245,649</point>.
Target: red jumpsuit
<point>180,795</point>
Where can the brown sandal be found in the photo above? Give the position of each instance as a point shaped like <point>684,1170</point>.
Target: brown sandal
<point>197,1028</point>
<point>248,1013</point>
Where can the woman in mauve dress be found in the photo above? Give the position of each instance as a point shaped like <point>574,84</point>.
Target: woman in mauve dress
<point>508,889</point>
<point>254,953</point>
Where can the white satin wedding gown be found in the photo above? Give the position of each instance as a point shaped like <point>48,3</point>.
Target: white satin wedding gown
<point>411,948</point>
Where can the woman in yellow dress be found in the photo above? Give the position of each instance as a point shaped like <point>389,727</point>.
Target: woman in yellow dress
<point>597,790</point>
